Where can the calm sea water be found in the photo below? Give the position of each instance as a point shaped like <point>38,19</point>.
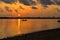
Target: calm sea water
<point>11,27</point>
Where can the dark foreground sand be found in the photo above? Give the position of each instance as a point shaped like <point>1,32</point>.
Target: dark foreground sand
<point>53,34</point>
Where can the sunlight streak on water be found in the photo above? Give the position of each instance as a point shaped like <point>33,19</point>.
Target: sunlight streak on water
<point>19,27</point>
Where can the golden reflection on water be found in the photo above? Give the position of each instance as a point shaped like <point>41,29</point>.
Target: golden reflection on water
<point>33,25</point>
<point>8,27</point>
<point>11,27</point>
<point>19,23</point>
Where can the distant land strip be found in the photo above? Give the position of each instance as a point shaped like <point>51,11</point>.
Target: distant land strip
<point>29,17</point>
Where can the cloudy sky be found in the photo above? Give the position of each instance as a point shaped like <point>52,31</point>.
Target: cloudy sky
<point>30,7</point>
<point>27,8</point>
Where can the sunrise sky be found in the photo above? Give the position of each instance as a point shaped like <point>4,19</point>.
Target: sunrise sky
<point>35,8</point>
<point>13,8</point>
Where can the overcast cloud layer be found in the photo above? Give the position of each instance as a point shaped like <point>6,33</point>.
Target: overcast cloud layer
<point>31,2</point>
<point>8,1</point>
<point>44,3</point>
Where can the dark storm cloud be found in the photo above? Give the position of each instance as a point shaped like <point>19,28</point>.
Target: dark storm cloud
<point>45,2</point>
<point>34,8</point>
<point>8,9</point>
<point>49,2</point>
<point>8,1</point>
<point>57,2</point>
<point>27,2</point>
<point>32,2</point>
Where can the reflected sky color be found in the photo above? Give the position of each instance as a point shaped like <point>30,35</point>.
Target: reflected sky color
<point>11,27</point>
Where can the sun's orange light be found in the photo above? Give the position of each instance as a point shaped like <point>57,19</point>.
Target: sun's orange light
<point>49,11</point>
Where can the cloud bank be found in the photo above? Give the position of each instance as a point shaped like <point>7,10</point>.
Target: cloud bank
<point>8,1</point>
<point>27,2</point>
<point>44,3</point>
